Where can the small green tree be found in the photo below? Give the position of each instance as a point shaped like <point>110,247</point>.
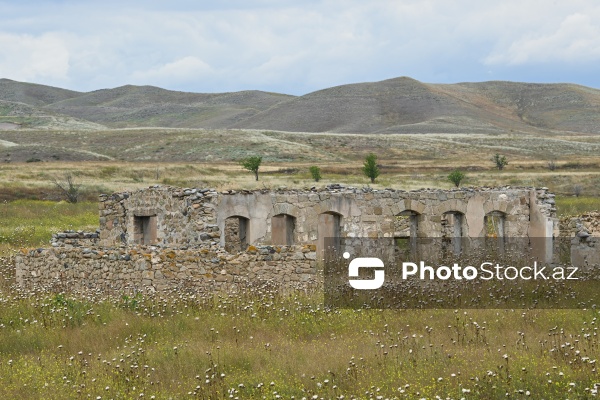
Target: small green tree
<point>500,161</point>
<point>315,172</point>
<point>370,168</point>
<point>456,177</point>
<point>252,164</point>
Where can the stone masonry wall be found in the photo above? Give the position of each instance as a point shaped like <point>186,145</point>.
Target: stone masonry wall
<point>184,217</point>
<point>191,217</point>
<point>164,237</point>
<point>584,231</point>
<point>75,239</point>
<point>527,212</point>
<point>151,268</point>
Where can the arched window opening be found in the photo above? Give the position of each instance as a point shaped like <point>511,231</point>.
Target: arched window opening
<point>328,232</point>
<point>406,226</point>
<point>282,229</point>
<point>495,224</point>
<point>236,234</point>
<point>452,231</point>
<point>495,231</point>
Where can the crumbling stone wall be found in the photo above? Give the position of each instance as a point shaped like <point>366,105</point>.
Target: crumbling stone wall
<point>184,217</point>
<point>192,217</point>
<point>374,213</point>
<point>72,238</point>
<point>152,268</point>
<point>584,231</point>
<point>583,226</point>
<point>163,236</point>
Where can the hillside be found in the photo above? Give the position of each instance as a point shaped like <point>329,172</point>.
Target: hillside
<point>400,105</point>
<point>404,105</point>
<point>16,115</point>
<point>565,107</point>
<point>33,94</point>
<point>135,106</point>
<point>393,106</point>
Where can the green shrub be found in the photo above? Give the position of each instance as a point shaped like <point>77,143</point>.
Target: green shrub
<point>315,172</point>
<point>456,177</point>
<point>500,161</point>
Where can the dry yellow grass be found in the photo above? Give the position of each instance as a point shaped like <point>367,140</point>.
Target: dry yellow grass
<point>34,179</point>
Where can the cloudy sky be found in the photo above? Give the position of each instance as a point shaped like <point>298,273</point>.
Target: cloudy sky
<point>296,47</point>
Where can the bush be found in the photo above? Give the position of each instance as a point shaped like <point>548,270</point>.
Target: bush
<point>315,172</point>
<point>68,188</point>
<point>456,177</point>
<point>500,161</point>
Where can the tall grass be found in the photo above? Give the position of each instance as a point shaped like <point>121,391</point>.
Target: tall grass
<point>576,205</point>
<point>261,344</point>
<point>30,223</point>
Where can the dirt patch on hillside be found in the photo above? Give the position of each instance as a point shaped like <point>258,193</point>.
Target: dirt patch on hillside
<point>8,126</point>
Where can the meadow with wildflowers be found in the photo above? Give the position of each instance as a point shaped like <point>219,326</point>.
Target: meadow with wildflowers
<point>264,344</point>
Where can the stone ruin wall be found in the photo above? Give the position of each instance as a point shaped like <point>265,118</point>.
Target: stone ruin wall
<point>183,217</point>
<point>164,237</point>
<point>584,234</point>
<point>159,269</point>
<point>195,217</point>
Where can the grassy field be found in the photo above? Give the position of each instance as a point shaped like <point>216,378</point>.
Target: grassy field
<point>34,180</point>
<point>260,344</point>
<point>124,159</point>
<point>576,205</point>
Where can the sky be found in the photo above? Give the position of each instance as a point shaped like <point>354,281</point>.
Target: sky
<point>296,47</point>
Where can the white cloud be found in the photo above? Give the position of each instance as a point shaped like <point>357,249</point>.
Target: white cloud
<point>34,58</point>
<point>576,39</point>
<point>183,70</point>
<point>292,47</point>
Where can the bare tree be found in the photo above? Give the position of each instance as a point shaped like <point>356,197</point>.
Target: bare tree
<point>68,188</point>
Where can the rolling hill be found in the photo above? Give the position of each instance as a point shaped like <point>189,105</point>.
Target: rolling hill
<point>135,106</point>
<point>400,105</point>
<point>404,105</point>
<point>33,94</point>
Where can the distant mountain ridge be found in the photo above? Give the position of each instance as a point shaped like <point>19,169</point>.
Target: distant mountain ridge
<point>399,105</point>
